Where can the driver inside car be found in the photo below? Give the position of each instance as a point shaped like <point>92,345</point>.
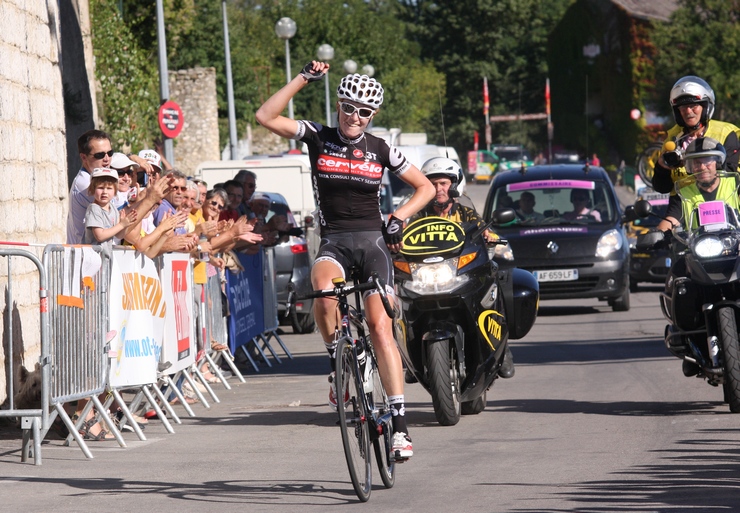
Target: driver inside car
<point>445,175</point>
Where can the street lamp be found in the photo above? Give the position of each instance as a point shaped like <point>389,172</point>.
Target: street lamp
<point>285,29</point>
<point>368,70</point>
<point>350,66</point>
<point>326,53</point>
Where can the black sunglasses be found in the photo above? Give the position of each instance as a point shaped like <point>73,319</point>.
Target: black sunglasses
<point>101,154</point>
<point>215,204</point>
<point>128,171</point>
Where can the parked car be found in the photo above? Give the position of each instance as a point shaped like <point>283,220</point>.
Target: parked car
<point>511,157</point>
<point>583,256</point>
<point>650,265</point>
<point>482,165</point>
<point>292,265</point>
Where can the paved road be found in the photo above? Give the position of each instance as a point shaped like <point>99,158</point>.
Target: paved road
<point>598,418</point>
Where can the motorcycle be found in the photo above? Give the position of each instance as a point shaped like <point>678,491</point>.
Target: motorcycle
<point>702,303</point>
<point>458,311</point>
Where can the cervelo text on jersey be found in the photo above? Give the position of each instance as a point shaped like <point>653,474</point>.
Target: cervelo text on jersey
<point>347,176</point>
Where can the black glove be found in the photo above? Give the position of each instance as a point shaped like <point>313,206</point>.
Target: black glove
<point>310,75</point>
<point>393,231</point>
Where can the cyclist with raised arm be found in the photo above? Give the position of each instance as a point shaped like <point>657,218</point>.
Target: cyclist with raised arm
<point>692,101</point>
<point>347,166</point>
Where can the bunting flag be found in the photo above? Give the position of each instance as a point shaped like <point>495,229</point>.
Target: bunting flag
<point>547,97</point>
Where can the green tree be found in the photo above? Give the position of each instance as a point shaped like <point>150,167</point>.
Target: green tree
<point>702,38</point>
<point>504,40</point>
<point>128,100</point>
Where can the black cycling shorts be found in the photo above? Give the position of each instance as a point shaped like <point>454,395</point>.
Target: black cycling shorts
<point>366,250</point>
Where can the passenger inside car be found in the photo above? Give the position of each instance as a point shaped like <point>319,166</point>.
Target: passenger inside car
<point>582,207</point>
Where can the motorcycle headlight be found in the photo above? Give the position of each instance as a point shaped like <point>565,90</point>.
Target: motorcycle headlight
<point>711,246</point>
<point>609,242</point>
<point>501,251</point>
<point>436,278</point>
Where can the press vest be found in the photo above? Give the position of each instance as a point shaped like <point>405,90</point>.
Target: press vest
<point>693,197</point>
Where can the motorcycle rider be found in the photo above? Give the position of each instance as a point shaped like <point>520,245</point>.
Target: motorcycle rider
<point>703,158</point>
<point>445,175</point>
<point>692,101</point>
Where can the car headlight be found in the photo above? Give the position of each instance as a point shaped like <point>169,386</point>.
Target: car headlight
<point>436,278</point>
<point>711,246</point>
<point>501,251</point>
<point>609,242</point>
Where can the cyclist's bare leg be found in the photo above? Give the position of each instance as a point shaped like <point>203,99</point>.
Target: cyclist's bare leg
<point>325,309</point>
<point>390,365</point>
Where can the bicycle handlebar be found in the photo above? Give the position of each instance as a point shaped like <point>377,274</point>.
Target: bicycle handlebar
<point>344,290</point>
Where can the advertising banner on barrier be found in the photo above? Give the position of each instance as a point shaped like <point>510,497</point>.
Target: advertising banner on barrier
<point>244,291</point>
<point>178,343</point>
<point>137,311</point>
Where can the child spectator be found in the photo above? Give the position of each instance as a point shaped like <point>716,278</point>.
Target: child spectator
<point>104,224</point>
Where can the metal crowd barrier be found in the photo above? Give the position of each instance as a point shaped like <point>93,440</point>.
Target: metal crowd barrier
<point>34,421</point>
<point>214,329</point>
<point>269,302</point>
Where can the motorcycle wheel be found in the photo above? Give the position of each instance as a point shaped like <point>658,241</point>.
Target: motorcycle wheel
<point>731,357</point>
<point>444,383</point>
<point>475,406</point>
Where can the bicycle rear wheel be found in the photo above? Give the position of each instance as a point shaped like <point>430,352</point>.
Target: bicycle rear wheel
<point>646,162</point>
<point>353,420</point>
<point>382,444</point>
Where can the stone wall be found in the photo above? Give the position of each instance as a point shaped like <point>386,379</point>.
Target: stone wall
<point>194,90</point>
<point>32,160</point>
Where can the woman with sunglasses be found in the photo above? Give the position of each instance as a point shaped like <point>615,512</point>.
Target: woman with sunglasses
<point>347,166</point>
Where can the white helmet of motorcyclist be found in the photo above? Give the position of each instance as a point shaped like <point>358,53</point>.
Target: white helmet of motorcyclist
<point>690,90</point>
<point>361,89</point>
<point>702,151</point>
<point>438,167</point>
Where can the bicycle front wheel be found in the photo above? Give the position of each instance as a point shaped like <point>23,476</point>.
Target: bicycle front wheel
<point>353,420</point>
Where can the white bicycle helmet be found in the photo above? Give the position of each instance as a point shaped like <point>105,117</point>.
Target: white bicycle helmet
<point>361,89</point>
<point>689,90</point>
<point>437,167</point>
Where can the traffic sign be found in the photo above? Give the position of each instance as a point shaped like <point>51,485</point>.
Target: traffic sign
<point>171,119</point>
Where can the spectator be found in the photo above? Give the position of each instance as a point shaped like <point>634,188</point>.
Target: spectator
<point>174,199</point>
<point>229,231</point>
<point>539,159</point>
<point>249,184</point>
<point>95,152</point>
<point>104,224</point>
<point>127,171</point>
<point>595,160</point>
<point>202,190</point>
<point>234,193</point>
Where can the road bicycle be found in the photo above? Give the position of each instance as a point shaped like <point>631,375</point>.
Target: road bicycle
<point>364,414</point>
<point>646,160</point>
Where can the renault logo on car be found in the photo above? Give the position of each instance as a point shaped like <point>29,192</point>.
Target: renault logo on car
<point>553,247</point>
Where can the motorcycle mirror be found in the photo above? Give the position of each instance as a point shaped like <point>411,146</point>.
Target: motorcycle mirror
<point>629,214</point>
<point>643,208</point>
<point>503,215</point>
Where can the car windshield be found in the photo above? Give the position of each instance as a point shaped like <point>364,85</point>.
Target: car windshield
<point>557,202</point>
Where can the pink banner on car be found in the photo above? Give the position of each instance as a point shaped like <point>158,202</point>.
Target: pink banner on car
<point>712,212</point>
<point>551,184</point>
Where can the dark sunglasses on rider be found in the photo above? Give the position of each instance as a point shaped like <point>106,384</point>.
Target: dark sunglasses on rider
<point>362,112</point>
<point>215,204</point>
<point>101,154</point>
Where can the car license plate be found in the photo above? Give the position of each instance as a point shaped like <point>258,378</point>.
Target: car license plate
<point>559,275</point>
